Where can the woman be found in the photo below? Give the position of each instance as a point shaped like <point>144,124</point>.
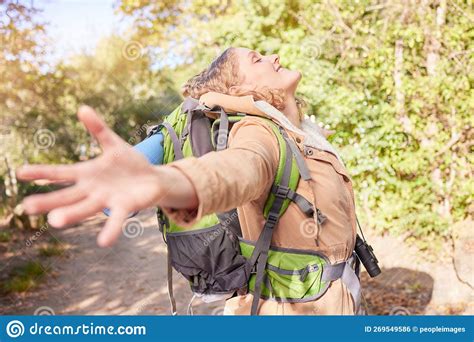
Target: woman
<point>240,176</point>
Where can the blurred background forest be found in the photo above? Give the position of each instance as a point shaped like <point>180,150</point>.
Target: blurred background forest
<point>394,79</point>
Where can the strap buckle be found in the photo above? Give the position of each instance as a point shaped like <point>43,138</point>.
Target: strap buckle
<point>272,219</point>
<point>253,270</point>
<point>153,130</point>
<point>280,191</point>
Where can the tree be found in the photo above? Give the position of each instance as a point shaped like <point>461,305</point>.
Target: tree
<point>393,78</point>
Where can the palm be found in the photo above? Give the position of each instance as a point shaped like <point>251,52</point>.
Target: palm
<point>120,179</point>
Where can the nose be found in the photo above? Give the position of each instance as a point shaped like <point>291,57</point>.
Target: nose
<point>275,59</point>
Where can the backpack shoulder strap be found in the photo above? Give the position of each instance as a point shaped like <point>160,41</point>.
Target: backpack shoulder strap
<point>290,154</point>
<point>291,164</point>
<point>171,128</point>
<point>286,178</point>
<point>176,128</point>
<point>287,174</point>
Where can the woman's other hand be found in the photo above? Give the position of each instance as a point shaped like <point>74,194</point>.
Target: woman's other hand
<point>120,179</point>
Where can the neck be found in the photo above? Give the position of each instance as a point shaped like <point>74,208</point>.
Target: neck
<point>291,110</point>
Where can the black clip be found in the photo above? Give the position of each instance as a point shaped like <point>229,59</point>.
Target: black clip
<point>320,216</point>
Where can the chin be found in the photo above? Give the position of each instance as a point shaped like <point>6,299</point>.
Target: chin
<point>293,78</point>
<point>297,74</point>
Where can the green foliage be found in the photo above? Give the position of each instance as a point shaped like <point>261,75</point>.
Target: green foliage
<point>24,278</point>
<point>38,121</point>
<point>394,79</point>
<point>5,236</point>
<point>53,248</point>
<point>407,141</point>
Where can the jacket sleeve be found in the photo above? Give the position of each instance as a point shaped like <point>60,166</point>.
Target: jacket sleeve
<point>230,178</point>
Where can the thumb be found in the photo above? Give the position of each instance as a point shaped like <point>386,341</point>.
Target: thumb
<point>327,132</point>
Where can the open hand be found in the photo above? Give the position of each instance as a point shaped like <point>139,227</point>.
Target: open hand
<point>120,179</point>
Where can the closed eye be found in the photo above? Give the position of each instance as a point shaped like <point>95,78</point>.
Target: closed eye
<point>258,60</point>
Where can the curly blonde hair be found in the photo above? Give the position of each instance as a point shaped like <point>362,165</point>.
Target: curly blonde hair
<point>223,73</point>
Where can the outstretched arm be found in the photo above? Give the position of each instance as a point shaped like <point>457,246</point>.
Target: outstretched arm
<point>124,181</point>
<point>120,179</point>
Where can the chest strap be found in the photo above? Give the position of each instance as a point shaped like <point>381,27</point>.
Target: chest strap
<point>305,206</point>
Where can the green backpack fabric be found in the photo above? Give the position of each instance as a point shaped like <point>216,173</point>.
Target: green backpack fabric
<point>212,255</point>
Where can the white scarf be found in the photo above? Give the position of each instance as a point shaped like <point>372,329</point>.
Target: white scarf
<point>311,132</point>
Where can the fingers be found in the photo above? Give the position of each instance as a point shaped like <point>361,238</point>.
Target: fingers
<point>328,133</point>
<point>42,203</point>
<point>113,227</point>
<point>207,99</point>
<point>48,172</point>
<point>74,213</point>
<point>97,127</point>
<point>325,132</point>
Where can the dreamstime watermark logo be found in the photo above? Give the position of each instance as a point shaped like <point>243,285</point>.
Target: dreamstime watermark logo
<point>213,236</point>
<point>44,139</point>
<point>309,228</point>
<point>311,48</point>
<point>44,311</point>
<point>399,311</point>
<point>135,138</point>
<point>133,228</point>
<point>221,229</point>
<point>143,129</point>
<point>132,50</point>
<point>221,137</point>
<point>15,329</point>
<point>29,242</point>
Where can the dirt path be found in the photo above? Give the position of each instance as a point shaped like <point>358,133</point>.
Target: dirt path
<point>127,279</point>
<point>130,279</point>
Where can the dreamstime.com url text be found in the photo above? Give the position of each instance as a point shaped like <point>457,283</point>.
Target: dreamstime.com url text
<point>16,328</point>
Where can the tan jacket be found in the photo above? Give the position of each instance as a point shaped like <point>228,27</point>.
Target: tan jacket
<point>241,176</point>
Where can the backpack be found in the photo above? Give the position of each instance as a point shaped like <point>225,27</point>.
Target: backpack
<point>212,254</point>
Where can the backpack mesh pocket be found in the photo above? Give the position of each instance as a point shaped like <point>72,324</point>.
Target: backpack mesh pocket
<point>209,259</point>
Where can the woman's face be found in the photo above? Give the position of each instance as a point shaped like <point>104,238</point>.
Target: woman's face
<point>265,71</point>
